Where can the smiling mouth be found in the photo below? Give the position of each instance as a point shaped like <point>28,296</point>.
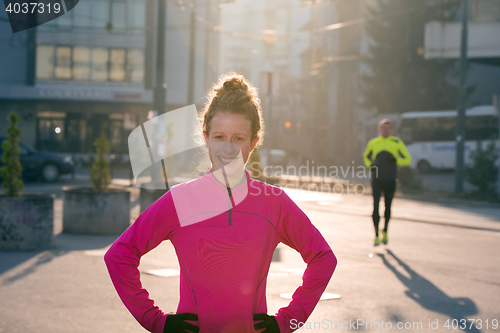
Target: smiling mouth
<point>226,160</point>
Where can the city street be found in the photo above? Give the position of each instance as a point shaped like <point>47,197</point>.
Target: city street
<point>322,98</point>
<point>441,264</point>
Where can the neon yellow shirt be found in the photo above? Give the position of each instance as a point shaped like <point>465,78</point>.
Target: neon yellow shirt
<point>390,144</point>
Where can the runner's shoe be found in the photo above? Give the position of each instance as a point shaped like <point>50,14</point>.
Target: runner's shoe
<point>377,241</point>
<point>384,236</point>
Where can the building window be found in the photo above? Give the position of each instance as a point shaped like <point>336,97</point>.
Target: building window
<point>82,14</point>
<point>117,65</point>
<point>99,65</point>
<point>100,14</point>
<point>115,134</point>
<point>124,15</point>
<point>118,15</point>
<point>81,63</point>
<point>65,22</point>
<point>44,61</point>
<point>63,62</point>
<point>50,131</point>
<point>487,11</point>
<point>135,65</point>
<point>136,15</point>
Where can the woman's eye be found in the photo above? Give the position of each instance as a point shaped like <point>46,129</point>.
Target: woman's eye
<point>239,139</point>
<point>218,137</point>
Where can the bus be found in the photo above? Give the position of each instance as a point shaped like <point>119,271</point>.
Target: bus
<point>430,136</point>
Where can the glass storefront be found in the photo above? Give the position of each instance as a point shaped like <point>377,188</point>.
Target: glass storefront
<point>50,131</point>
<point>75,133</point>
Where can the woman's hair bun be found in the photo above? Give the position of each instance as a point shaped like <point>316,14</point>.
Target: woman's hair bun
<point>232,85</point>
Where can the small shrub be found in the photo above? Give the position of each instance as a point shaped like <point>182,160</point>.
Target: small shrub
<point>100,174</point>
<point>483,172</point>
<point>11,172</point>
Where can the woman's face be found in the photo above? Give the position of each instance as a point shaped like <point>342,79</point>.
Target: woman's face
<point>229,135</point>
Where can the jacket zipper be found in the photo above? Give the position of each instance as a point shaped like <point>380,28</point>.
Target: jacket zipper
<point>229,204</point>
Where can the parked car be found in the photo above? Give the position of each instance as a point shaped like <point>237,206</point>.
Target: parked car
<point>36,163</point>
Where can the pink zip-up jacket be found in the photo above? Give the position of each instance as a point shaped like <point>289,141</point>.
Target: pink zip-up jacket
<point>224,248</point>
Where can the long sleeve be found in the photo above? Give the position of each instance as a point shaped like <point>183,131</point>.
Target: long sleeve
<point>405,158</point>
<point>296,230</point>
<point>123,257</point>
<point>367,153</point>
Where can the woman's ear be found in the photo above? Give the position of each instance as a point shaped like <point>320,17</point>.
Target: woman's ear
<point>206,139</point>
<point>254,142</point>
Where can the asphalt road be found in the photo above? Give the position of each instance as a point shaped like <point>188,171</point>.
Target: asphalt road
<point>441,264</point>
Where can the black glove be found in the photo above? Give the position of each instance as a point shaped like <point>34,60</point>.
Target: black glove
<point>269,323</point>
<point>175,323</point>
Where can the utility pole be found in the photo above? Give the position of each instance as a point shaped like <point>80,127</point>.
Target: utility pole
<point>159,91</point>
<point>461,119</point>
<point>192,43</point>
<point>160,88</point>
<point>207,47</point>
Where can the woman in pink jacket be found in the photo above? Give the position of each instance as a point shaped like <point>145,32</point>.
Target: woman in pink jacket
<point>225,227</point>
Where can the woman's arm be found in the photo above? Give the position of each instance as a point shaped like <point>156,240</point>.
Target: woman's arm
<point>123,257</point>
<point>296,230</point>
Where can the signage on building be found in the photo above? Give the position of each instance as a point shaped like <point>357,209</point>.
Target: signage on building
<point>135,95</point>
<point>108,94</point>
<point>75,94</point>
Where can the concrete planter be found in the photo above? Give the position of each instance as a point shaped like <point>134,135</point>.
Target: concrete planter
<point>148,196</point>
<point>26,222</point>
<point>90,212</point>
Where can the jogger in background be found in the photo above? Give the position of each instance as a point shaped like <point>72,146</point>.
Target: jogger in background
<point>382,155</point>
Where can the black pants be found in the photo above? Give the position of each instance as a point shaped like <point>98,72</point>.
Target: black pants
<point>387,187</point>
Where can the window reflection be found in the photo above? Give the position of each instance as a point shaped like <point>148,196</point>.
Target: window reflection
<point>136,14</point>
<point>117,69</point>
<point>135,65</point>
<point>100,14</point>
<point>118,15</point>
<point>115,132</point>
<point>82,14</point>
<point>99,64</point>
<point>48,138</point>
<point>64,22</point>
<point>81,63</point>
<point>63,62</point>
<point>44,61</point>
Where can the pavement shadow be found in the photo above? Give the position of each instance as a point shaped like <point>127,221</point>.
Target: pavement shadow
<point>430,297</point>
<point>62,244</point>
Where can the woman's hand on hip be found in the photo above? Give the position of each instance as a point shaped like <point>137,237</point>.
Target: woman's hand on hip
<point>268,322</point>
<point>175,323</point>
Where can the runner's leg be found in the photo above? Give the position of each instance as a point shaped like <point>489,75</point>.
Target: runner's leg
<point>389,189</point>
<point>377,192</point>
